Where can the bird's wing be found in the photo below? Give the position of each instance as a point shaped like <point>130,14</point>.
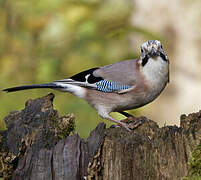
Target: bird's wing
<point>84,79</point>
<point>119,77</point>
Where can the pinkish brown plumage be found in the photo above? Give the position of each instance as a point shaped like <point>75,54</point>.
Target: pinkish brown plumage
<point>121,86</point>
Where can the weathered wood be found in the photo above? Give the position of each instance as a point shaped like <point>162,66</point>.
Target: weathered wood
<point>38,145</point>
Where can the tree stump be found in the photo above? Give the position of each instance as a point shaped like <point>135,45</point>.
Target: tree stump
<point>39,144</point>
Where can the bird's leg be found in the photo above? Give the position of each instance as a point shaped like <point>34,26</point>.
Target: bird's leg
<point>106,116</point>
<point>129,117</point>
<point>134,123</point>
<point>125,114</point>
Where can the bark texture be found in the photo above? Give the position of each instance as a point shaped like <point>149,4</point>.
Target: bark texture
<point>39,144</point>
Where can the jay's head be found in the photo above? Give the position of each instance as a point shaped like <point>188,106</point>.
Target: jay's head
<point>152,49</point>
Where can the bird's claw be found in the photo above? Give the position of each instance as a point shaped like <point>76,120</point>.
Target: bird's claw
<point>121,125</point>
<point>136,124</point>
<point>131,123</point>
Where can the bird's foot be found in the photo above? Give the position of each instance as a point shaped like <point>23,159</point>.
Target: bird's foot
<point>134,122</point>
<point>126,126</point>
<point>121,124</point>
<point>130,123</point>
<point>129,119</point>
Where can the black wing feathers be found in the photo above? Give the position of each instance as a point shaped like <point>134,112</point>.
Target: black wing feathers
<point>82,76</point>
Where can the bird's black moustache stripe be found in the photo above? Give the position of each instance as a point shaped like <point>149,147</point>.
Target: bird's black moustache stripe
<point>145,60</point>
<point>163,57</point>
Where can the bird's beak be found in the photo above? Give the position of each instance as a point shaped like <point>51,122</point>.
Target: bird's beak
<point>154,52</point>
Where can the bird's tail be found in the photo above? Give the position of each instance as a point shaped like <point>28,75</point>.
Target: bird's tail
<point>34,86</point>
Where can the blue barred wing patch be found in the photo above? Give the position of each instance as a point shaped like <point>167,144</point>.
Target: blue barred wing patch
<point>108,86</point>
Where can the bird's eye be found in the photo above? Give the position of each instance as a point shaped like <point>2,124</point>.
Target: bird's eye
<point>161,46</point>
<point>142,50</point>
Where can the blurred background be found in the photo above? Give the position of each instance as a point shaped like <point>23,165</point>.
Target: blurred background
<point>47,40</point>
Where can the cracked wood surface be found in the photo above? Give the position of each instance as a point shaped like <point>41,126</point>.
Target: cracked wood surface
<point>38,145</point>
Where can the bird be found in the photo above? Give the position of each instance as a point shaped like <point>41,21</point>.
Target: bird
<point>121,86</point>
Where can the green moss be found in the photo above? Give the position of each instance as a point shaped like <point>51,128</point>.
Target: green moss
<point>194,164</point>
<point>195,161</point>
<point>192,178</point>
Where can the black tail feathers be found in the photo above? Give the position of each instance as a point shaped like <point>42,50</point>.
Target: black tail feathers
<point>34,86</point>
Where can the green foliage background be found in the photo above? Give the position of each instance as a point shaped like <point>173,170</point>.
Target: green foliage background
<point>47,40</point>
